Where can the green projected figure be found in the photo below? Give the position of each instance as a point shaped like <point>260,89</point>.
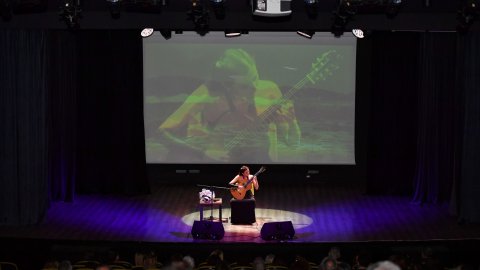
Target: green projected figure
<point>233,117</point>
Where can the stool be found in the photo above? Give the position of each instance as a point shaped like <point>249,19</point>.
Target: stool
<point>242,211</point>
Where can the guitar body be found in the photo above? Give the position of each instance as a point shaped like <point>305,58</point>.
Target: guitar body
<point>240,191</point>
<point>223,144</point>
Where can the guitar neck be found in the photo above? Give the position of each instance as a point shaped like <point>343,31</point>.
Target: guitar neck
<point>264,116</point>
<point>253,177</point>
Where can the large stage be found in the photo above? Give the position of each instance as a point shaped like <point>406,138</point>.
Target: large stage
<point>319,212</point>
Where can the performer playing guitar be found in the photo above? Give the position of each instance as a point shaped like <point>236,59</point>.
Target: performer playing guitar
<point>244,182</point>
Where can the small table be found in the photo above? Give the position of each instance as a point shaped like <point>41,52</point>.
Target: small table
<point>216,202</point>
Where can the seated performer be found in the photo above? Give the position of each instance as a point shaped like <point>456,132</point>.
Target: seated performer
<point>243,177</point>
<point>243,203</point>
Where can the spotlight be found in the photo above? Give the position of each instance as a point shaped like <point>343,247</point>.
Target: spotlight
<point>338,26</point>
<point>348,8</point>
<point>199,15</point>
<point>392,7</point>
<point>146,32</point>
<point>114,6</point>
<point>311,7</point>
<point>271,8</point>
<point>306,33</point>
<point>5,10</point>
<point>70,13</point>
<point>232,33</point>
<point>28,6</point>
<point>218,8</point>
<point>144,6</point>
<point>166,34</point>
<point>358,33</point>
<point>467,14</point>
<point>345,10</point>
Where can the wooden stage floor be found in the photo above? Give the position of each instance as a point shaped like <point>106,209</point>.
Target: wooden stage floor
<point>319,212</point>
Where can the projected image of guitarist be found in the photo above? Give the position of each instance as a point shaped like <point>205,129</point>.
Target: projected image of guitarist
<point>232,117</point>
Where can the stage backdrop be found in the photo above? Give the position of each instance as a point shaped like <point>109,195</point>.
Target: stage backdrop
<point>260,98</point>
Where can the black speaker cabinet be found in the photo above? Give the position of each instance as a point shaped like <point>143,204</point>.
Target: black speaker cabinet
<point>207,230</point>
<point>277,231</point>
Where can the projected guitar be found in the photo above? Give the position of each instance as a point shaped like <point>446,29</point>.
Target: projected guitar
<point>222,147</point>
<point>241,189</point>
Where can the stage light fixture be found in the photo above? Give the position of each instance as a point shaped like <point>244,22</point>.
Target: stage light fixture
<point>146,32</point>
<point>200,17</point>
<point>345,10</point>
<point>348,8</point>
<point>5,10</point>
<point>166,34</point>
<point>392,8</point>
<point>71,12</point>
<point>271,8</point>
<point>218,8</point>
<point>338,26</point>
<point>395,2</point>
<point>466,15</point>
<point>144,6</point>
<point>358,33</point>
<point>311,7</point>
<point>306,33</point>
<point>232,33</point>
<point>28,6</point>
<point>115,7</point>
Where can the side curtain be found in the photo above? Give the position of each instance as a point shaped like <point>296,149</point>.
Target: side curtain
<point>23,125</point>
<point>437,110</point>
<point>468,187</point>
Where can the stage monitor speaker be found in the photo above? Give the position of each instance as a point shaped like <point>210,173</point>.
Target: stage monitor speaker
<point>207,230</point>
<point>277,231</point>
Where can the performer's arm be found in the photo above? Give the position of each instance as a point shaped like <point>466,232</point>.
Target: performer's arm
<point>181,117</point>
<point>255,183</point>
<point>193,104</point>
<point>234,180</point>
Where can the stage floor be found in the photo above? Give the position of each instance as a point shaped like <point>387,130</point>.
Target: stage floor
<point>319,212</point>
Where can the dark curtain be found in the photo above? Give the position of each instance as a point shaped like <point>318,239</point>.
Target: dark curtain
<point>392,122</point>
<point>23,117</point>
<point>111,154</point>
<point>468,199</point>
<point>62,115</point>
<point>424,121</point>
<point>71,118</point>
<point>435,160</point>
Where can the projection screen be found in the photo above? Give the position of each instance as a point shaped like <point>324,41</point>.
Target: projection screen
<point>261,98</point>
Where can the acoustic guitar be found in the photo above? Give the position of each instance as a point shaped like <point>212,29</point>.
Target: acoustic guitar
<point>239,191</point>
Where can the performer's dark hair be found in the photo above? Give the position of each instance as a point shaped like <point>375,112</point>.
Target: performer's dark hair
<point>242,170</point>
